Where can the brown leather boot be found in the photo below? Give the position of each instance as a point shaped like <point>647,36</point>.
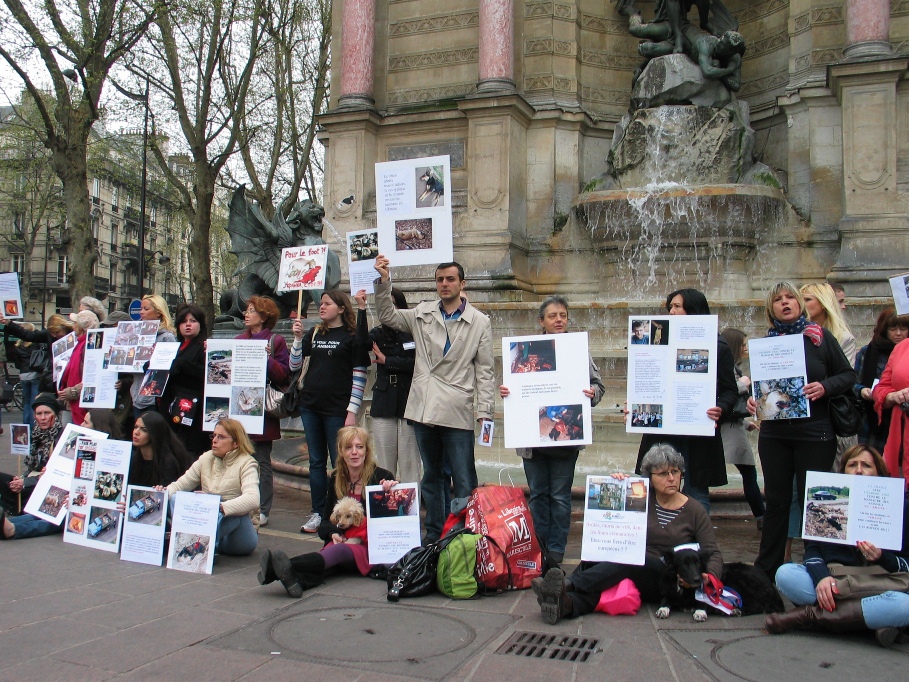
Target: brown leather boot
<point>847,617</point>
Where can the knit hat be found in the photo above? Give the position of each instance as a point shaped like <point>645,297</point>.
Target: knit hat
<point>48,400</point>
<point>115,318</point>
<point>85,319</point>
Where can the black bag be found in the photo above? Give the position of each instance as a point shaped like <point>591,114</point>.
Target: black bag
<point>845,415</point>
<point>414,574</point>
<point>39,360</point>
<point>6,393</point>
<point>740,411</point>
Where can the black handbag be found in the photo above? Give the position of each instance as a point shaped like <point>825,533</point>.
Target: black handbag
<point>740,411</point>
<point>414,574</point>
<point>845,415</point>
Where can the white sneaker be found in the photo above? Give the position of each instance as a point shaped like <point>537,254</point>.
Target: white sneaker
<point>263,520</point>
<point>312,524</point>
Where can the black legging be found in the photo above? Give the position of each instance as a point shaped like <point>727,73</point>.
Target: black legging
<point>781,460</point>
<point>590,578</point>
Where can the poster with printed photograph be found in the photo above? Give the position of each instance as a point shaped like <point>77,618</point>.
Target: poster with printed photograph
<point>899,285</point>
<point>48,499</point>
<point>672,362</point>
<point>302,267</point>
<point>99,479</point>
<point>362,249</point>
<point>133,346</point>
<point>11,296</point>
<point>413,210</point>
<point>193,529</point>
<point>779,377</point>
<point>235,378</point>
<point>546,375</point>
<point>61,351</point>
<point>393,521</point>
<point>98,385</point>
<point>845,509</point>
<point>20,439</point>
<point>144,525</point>
<point>615,520</point>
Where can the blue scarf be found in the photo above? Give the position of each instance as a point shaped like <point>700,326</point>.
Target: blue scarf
<point>801,326</point>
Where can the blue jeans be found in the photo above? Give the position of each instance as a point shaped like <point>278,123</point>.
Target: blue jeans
<point>28,526</point>
<point>886,610</point>
<point>236,535</point>
<point>436,443</point>
<point>29,393</point>
<point>550,475</point>
<point>322,442</point>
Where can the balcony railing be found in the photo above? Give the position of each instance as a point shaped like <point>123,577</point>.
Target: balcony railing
<point>102,285</point>
<point>130,290</point>
<point>131,254</point>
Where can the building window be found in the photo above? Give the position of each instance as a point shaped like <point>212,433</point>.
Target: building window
<point>18,262</point>
<point>115,199</point>
<point>62,263</point>
<point>96,191</point>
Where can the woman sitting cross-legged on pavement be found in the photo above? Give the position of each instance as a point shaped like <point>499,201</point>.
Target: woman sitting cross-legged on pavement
<point>673,519</point>
<point>814,591</point>
<point>356,469</point>
<point>228,470</point>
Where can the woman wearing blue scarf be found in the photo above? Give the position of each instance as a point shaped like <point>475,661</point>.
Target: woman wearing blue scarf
<point>790,447</point>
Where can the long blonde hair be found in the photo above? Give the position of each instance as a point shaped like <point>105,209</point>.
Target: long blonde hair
<point>826,296</point>
<point>160,306</point>
<point>342,474</point>
<point>22,342</point>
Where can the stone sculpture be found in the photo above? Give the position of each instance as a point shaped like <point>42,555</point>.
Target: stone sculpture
<point>257,243</point>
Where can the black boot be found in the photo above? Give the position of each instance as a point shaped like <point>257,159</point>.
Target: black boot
<point>285,573</point>
<point>552,596</point>
<point>267,571</point>
<point>847,617</point>
<point>310,569</point>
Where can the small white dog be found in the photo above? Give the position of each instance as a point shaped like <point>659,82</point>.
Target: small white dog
<point>348,515</point>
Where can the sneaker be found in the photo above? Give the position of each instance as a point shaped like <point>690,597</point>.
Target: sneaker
<point>312,524</point>
<point>263,520</point>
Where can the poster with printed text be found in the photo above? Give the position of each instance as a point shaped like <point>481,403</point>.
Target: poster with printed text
<point>20,439</point>
<point>193,529</point>
<point>98,385</point>
<point>779,377</point>
<point>672,364</point>
<point>899,285</point>
<point>845,509</point>
<point>362,249</point>
<point>144,525</point>
<point>61,351</point>
<point>235,378</point>
<point>393,526</point>
<point>615,520</point>
<point>546,376</point>
<point>99,479</point>
<point>133,346</point>
<point>413,210</point>
<point>302,267</point>
<point>10,296</point>
<point>48,499</point>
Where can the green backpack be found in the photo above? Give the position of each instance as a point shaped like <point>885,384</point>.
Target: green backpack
<point>456,570</point>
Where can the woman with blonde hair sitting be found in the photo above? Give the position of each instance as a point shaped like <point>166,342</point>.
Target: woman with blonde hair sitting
<point>228,470</point>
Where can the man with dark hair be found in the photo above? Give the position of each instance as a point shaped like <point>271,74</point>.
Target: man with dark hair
<point>840,294</point>
<point>454,361</point>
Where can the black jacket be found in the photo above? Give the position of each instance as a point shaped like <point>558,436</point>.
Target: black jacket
<point>394,376</point>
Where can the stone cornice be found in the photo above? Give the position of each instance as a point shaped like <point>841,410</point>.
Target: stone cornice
<point>422,60</point>
<point>438,22</point>
<point>427,95</point>
<point>817,16</point>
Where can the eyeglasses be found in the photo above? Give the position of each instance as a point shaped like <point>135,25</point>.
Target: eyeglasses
<point>675,473</point>
<point>250,311</point>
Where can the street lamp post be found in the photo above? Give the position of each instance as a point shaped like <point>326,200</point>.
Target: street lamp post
<point>142,196</point>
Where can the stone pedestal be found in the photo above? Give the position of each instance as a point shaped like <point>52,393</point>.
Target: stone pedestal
<point>867,29</point>
<point>876,212</point>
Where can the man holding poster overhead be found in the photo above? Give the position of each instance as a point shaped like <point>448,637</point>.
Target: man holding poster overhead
<point>453,361</point>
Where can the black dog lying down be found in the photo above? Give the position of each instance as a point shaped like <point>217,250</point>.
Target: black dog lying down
<point>682,577</point>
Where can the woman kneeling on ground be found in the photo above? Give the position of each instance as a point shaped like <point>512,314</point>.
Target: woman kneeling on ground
<point>356,469</point>
<point>673,519</point>
<point>228,470</point>
<point>814,591</point>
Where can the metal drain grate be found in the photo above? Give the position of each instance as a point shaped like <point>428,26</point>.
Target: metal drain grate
<point>552,647</point>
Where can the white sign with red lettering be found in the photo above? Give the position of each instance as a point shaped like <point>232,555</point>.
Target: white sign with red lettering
<point>302,267</point>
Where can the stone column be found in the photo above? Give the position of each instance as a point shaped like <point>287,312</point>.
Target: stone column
<point>867,29</point>
<point>496,46</point>
<point>358,37</point>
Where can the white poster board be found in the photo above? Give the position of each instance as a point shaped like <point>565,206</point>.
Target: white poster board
<point>413,210</point>
<point>362,249</point>
<point>61,351</point>
<point>844,509</point>
<point>546,375</point>
<point>164,354</point>
<point>99,479</point>
<point>133,346</point>
<point>97,385</point>
<point>302,267</point>
<point>10,296</point>
<point>193,529</point>
<point>143,526</point>
<point>672,364</point>
<point>235,378</point>
<point>48,499</point>
<point>779,377</point>
<point>615,520</point>
<point>393,521</point>
<point>899,285</point>
<point>20,439</point>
